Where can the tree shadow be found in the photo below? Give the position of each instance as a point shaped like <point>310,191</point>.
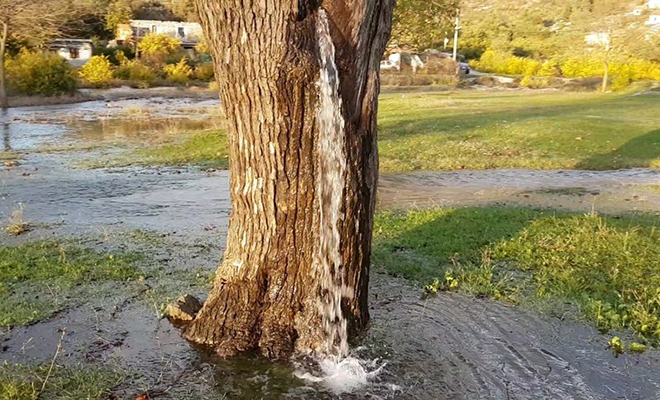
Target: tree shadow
<point>423,246</point>
<point>638,152</point>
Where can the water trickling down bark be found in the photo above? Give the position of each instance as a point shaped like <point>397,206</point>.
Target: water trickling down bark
<point>303,166</point>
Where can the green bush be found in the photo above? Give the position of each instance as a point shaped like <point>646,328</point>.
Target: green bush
<point>178,73</point>
<point>97,71</point>
<point>205,72</point>
<point>158,46</point>
<point>112,53</point>
<point>138,72</point>
<point>38,74</point>
<point>623,69</point>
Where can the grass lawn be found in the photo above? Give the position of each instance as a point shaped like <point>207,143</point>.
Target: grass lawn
<point>39,279</point>
<point>479,130</point>
<point>606,266</point>
<point>19,382</point>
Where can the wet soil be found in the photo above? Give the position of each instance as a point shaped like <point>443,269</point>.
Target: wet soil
<point>448,347</point>
<point>616,192</point>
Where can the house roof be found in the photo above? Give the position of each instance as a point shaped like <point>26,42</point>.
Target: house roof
<point>66,41</point>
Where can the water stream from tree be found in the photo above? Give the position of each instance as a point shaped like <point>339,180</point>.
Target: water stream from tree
<point>339,371</point>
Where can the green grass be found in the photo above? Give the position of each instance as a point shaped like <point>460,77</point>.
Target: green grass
<point>20,382</point>
<point>479,130</point>
<point>205,148</point>
<point>39,279</point>
<point>606,266</point>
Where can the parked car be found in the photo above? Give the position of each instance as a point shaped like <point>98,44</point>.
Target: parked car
<point>464,68</point>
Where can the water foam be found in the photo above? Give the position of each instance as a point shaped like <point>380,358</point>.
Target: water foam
<point>343,374</point>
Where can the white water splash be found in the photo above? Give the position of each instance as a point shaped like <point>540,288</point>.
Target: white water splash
<point>338,371</point>
<point>343,375</point>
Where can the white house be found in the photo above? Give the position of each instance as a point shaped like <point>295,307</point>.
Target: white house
<point>189,33</point>
<point>653,4</point>
<point>653,20</point>
<point>636,12</point>
<point>597,39</point>
<point>76,51</point>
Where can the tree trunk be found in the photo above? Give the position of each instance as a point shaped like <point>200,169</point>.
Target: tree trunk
<point>4,103</point>
<point>606,76</point>
<point>303,180</point>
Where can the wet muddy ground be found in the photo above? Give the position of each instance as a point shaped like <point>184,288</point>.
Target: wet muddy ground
<point>448,347</point>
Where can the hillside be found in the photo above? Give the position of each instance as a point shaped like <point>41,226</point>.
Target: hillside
<point>543,29</point>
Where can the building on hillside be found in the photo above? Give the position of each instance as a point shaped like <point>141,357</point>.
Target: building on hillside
<point>597,39</point>
<point>636,12</point>
<point>76,51</point>
<point>189,33</point>
<point>653,4</point>
<point>653,20</point>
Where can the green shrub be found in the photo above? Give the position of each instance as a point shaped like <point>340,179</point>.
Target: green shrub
<point>97,71</point>
<point>112,53</point>
<point>158,47</point>
<point>138,72</point>
<point>178,73</point>
<point>550,68</point>
<point>205,72</point>
<point>38,74</point>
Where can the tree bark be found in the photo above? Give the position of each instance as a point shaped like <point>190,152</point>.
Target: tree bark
<point>268,294</point>
<point>4,103</point>
<point>606,76</point>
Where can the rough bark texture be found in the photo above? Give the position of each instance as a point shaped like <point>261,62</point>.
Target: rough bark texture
<point>4,103</point>
<point>266,59</point>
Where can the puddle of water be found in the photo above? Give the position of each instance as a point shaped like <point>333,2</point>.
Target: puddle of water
<point>29,128</point>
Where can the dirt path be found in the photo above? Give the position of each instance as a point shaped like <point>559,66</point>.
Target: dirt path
<point>449,347</point>
<point>585,191</point>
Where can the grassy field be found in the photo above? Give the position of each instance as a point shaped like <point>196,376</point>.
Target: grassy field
<point>605,266</point>
<point>545,130</point>
<point>479,130</point>
<point>39,279</point>
<point>204,148</point>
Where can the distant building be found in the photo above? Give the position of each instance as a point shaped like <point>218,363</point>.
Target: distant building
<point>636,12</point>
<point>76,51</point>
<point>653,4</point>
<point>597,39</point>
<point>653,20</point>
<point>189,33</point>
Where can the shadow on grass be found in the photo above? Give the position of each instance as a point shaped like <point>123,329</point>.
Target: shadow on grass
<point>639,152</point>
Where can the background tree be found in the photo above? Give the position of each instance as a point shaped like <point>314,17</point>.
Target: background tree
<point>270,57</point>
<point>119,12</point>
<point>423,24</point>
<point>29,20</point>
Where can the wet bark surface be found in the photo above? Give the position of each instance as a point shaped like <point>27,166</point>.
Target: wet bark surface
<point>266,57</point>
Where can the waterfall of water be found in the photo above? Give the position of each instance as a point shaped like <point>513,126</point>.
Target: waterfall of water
<point>330,186</point>
<point>339,371</point>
